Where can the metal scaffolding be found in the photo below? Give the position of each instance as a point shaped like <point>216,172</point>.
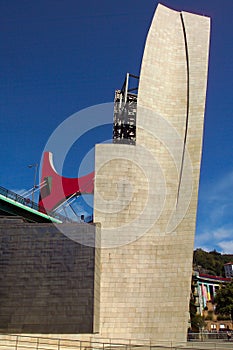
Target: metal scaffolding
<point>125,108</point>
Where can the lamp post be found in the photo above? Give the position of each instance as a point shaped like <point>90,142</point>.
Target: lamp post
<point>35,173</point>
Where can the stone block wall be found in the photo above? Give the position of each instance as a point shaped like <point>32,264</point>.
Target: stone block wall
<point>146,195</point>
<point>46,278</point>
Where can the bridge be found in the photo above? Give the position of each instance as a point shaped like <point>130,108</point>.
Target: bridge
<point>55,192</point>
<point>12,204</point>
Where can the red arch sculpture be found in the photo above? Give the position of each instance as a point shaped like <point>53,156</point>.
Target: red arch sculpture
<point>58,188</point>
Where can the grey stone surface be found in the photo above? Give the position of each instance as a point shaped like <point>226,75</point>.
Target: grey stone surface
<point>46,278</point>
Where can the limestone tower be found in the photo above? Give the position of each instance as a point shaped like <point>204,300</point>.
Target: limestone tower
<point>146,191</point>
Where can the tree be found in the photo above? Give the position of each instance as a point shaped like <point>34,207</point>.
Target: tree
<point>198,322</point>
<point>224,300</point>
<point>211,263</point>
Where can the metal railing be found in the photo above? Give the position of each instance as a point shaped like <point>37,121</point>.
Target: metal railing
<point>208,336</point>
<point>23,342</point>
<point>33,342</point>
<point>28,203</point>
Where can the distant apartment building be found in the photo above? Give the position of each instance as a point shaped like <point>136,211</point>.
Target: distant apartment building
<point>204,288</point>
<point>228,268</point>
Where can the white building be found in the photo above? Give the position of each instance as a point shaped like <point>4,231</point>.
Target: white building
<point>228,268</point>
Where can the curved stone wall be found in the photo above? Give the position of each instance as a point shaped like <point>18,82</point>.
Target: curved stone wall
<point>146,195</point>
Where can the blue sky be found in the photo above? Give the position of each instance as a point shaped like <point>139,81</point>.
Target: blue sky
<point>58,57</point>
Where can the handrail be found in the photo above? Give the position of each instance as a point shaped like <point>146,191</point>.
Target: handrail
<point>29,203</point>
<point>23,341</point>
<point>46,343</point>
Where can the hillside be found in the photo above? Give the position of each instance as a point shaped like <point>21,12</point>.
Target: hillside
<point>211,263</point>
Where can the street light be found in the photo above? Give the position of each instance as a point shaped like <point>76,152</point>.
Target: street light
<point>34,184</point>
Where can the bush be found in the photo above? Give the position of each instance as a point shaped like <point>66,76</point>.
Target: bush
<point>223,317</point>
<point>209,316</point>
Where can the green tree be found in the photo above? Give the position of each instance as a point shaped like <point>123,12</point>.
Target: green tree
<point>224,300</point>
<point>211,263</point>
<point>198,323</point>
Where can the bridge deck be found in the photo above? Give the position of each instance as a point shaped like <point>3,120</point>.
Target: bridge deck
<point>15,205</point>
